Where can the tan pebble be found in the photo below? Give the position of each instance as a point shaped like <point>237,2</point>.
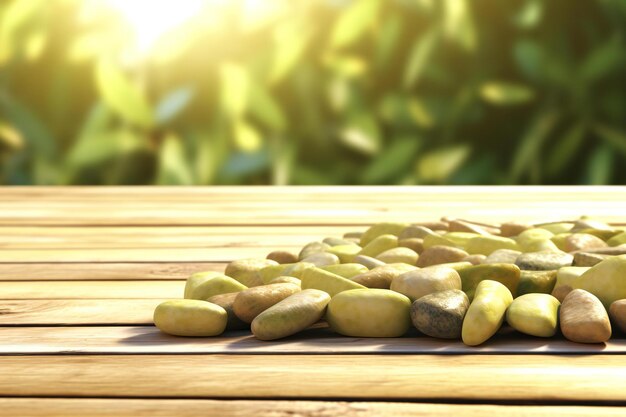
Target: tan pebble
<point>395,255</point>
<point>474,259</point>
<point>442,225</point>
<point>283,257</point>
<point>583,241</point>
<point>415,232</point>
<point>584,319</point>
<point>440,254</point>
<point>617,312</point>
<point>251,302</point>
<point>509,229</point>
<point>382,276</point>
<point>226,302</point>
<point>588,259</point>
<point>413,243</point>
<point>462,226</point>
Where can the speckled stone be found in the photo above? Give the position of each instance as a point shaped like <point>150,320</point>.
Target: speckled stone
<point>584,319</point>
<point>583,241</point>
<point>543,261</point>
<point>502,256</point>
<point>440,314</point>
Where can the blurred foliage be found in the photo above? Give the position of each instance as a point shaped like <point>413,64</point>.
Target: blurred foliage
<point>315,92</point>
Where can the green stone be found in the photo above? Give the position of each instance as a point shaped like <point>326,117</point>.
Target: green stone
<point>534,314</point>
<point>536,282</point>
<point>606,280</point>
<point>379,245</point>
<point>485,245</point>
<point>345,253</point>
<point>333,284</point>
<point>506,274</point>
<point>380,229</point>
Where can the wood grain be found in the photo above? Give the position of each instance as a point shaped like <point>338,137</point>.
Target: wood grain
<point>147,339</point>
<point>439,377</point>
<point>41,271</point>
<point>65,290</point>
<point>100,407</point>
<point>75,312</point>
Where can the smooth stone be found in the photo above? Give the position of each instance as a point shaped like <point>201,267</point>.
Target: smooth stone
<point>190,318</point>
<point>380,229</point>
<point>565,278</point>
<point>291,270</point>
<point>311,248</point>
<point>345,253</point>
<point>590,224</point>
<point>226,302</point>
<point>486,245</point>
<point>220,284</point>
<point>379,245</point>
<point>474,259</point>
<point>322,259</point>
<point>536,282</point>
<point>251,302</point>
<point>534,240</point>
<point>382,276</point>
<point>583,241</point>
<point>368,261</point>
<point>246,270</point>
<point>617,313</point>
<point>457,266</point>
<point>336,241</point>
<point>617,240</point>
<point>460,239</point>
<point>509,229</point>
<point>333,284</point>
<point>463,226</point>
<point>436,240</point>
<point>439,255</point>
<point>543,261</point>
<point>198,278</point>
<point>502,256</point>
<point>285,280</point>
<point>369,313</point>
<point>606,280</point>
<point>282,257</point>
<point>419,232</point>
<point>346,270</point>
<point>560,241</point>
<point>420,282</point>
<point>557,227</point>
<point>413,243</point>
<point>486,312</point>
<point>506,274</point>
<point>588,259</point>
<point>605,235</point>
<point>440,314</point>
<point>584,319</point>
<point>534,314</point>
<point>396,255</point>
<point>612,250</point>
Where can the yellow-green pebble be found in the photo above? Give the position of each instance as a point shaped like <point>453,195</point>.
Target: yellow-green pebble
<point>347,270</point>
<point>220,284</point>
<point>486,312</point>
<point>534,314</point>
<point>507,274</point>
<point>246,270</point>
<point>380,229</point>
<point>400,254</point>
<point>190,318</point>
<point>485,245</point>
<point>292,270</point>
<point>198,278</point>
<point>379,245</point>
<point>316,278</point>
<point>345,253</point>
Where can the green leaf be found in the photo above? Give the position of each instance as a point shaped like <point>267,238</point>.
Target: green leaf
<point>529,58</point>
<point>437,165</point>
<point>247,139</point>
<point>530,15</point>
<point>123,96</point>
<point>354,21</point>
<point>565,149</point>
<point>600,166</point>
<point>505,93</point>
<point>459,24</point>
<point>361,134</point>
<point>266,108</point>
<point>234,86</point>
<point>603,60</point>
<point>393,161</point>
<point>102,146</point>
<point>172,104</point>
<point>529,147</point>
<point>10,138</point>
<point>419,56</point>
<point>16,15</point>
<point>387,40</point>
<point>174,168</point>
<point>290,42</point>
<point>616,138</point>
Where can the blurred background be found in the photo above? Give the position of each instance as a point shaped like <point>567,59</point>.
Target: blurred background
<point>312,92</point>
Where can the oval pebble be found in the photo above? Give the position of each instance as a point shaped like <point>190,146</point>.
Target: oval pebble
<point>190,318</point>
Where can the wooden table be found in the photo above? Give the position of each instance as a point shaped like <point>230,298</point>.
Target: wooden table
<point>81,270</point>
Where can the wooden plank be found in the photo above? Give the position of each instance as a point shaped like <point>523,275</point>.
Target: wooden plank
<point>74,312</point>
<point>104,271</point>
<point>106,407</point>
<point>67,290</point>
<point>320,340</point>
<point>433,377</point>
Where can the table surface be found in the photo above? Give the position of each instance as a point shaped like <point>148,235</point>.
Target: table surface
<point>81,270</point>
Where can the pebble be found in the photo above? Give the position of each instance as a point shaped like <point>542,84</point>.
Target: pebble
<point>246,270</point>
<point>544,261</point>
<point>463,226</point>
<point>440,254</point>
<point>380,229</point>
<point>557,227</point>
<point>565,278</point>
<point>584,319</point>
<point>509,229</point>
<point>590,224</point>
<point>311,248</point>
<point>534,314</point>
<point>606,280</point>
<point>283,257</point>
<point>291,315</point>
<point>333,284</point>
<point>536,282</point>
<point>369,313</point>
<point>226,302</point>
<point>345,253</point>
<point>441,225</point>
<point>396,255</point>
<point>502,256</point>
<point>291,270</point>
<point>220,284</point>
<point>251,302</point>
<point>421,282</point>
<point>613,251</point>
<point>583,241</point>
<point>486,245</point>
<point>335,241</point>
<point>602,234</point>
<point>617,313</point>
<point>440,314</point>
<point>617,240</point>
<point>412,232</point>
<point>532,240</point>
<point>474,259</point>
<point>190,318</point>
<point>196,279</point>
<point>588,259</point>
<point>382,276</point>
<point>457,266</point>
<point>506,274</point>
<point>368,261</point>
<point>413,243</point>
<point>460,239</point>
<point>353,235</point>
<point>322,259</point>
<point>346,270</point>
<point>486,312</point>
<point>379,245</point>
<point>436,240</point>
<point>560,241</point>
<point>283,279</point>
